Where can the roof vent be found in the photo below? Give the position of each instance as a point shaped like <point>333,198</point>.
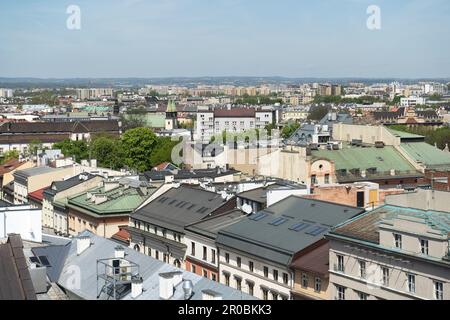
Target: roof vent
<point>188,289</point>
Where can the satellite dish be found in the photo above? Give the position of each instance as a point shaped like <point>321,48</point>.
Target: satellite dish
<point>247,208</point>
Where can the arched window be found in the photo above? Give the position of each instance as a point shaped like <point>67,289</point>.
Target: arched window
<point>137,248</point>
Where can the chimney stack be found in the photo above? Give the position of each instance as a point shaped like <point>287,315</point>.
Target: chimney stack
<point>167,283</point>
<point>119,252</point>
<point>136,287</point>
<point>83,243</point>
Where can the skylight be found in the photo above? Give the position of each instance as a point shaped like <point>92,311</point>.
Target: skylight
<point>278,221</point>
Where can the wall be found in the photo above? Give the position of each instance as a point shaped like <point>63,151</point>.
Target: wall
<point>22,220</point>
<point>368,134</point>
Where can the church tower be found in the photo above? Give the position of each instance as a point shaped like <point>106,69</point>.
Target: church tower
<point>171,116</point>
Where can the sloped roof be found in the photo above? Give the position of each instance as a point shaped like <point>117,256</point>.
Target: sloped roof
<point>260,235</point>
<point>427,154</point>
<point>15,278</point>
<point>149,270</point>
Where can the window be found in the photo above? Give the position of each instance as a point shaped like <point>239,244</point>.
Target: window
<point>327,178</point>
<point>266,272</point>
<point>274,296</point>
<point>239,284</point>
<point>205,253</point>
<point>205,273</point>
<point>385,272</point>
<point>227,257</point>
<point>192,248</point>
<point>340,263</point>
<point>313,179</point>
<point>285,278</point>
<point>156,230</point>
<point>362,296</point>
<point>438,290</point>
<point>250,266</point>
<point>304,280</point>
<point>340,293</point>
<point>213,277</point>
<point>265,294</point>
<point>250,288</point>
<point>275,275</point>
<point>362,269</point>
<point>164,232</point>
<point>424,246</point>
<point>193,268</point>
<point>238,262</point>
<point>411,283</point>
<point>227,279</point>
<point>157,254</point>
<point>318,284</point>
<point>398,240</point>
<point>213,256</point>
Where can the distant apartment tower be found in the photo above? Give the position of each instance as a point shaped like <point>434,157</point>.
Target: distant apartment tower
<point>94,93</point>
<point>6,93</point>
<point>232,120</point>
<point>329,90</point>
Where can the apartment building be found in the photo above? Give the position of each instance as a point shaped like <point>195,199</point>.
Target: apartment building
<point>158,228</point>
<point>94,93</point>
<point>255,253</point>
<point>212,122</point>
<point>397,252</point>
<point>29,180</point>
<point>104,209</point>
<point>54,202</point>
<point>202,256</point>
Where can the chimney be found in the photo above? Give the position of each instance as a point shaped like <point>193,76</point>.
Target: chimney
<point>167,283</point>
<point>119,252</point>
<point>136,287</point>
<point>83,243</point>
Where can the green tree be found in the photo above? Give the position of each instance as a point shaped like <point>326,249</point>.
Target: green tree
<point>318,113</point>
<point>77,149</point>
<point>33,148</point>
<point>289,130</point>
<point>11,154</point>
<point>138,145</point>
<point>162,151</point>
<point>108,151</point>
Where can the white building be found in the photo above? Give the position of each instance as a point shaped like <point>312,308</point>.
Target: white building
<point>6,93</point>
<point>212,122</point>
<point>412,101</point>
<point>22,220</point>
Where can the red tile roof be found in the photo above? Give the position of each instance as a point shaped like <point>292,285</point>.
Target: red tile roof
<point>315,261</point>
<point>161,166</point>
<point>234,113</point>
<point>122,235</point>
<point>9,166</point>
<point>37,195</point>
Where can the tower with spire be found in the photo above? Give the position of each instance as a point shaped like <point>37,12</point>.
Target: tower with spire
<point>171,116</point>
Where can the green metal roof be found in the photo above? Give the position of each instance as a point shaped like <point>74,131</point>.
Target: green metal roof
<point>429,155</point>
<point>171,107</point>
<point>384,159</point>
<point>405,135</point>
<point>120,200</point>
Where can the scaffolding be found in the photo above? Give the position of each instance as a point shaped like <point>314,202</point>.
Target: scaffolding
<point>114,277</point>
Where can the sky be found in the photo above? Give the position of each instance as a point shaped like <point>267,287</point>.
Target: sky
<point>192,38</point>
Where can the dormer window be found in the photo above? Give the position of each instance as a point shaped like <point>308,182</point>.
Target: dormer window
<point>398,240</point>
<point>424,246</point>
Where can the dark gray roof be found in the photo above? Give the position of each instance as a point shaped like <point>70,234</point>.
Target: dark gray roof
<point>4,204</point>
<point>210,227</point>
<point>35,171</point>
<point>179,207</point>
<point>56,256</point>
<point>278,243</point>
<point>58,186</point>
<point>15,279</point>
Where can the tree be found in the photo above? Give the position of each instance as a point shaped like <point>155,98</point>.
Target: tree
<point>289,130</point>
<point>33,148</point>
<point>77,149</point>
<point>318,113</point>
<point>11,154</point>
<point>108,152</point>
<point>132,121</point>
<point>162,151</point>
<point>138,145</point>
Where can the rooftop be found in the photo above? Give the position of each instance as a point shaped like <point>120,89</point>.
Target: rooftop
<point>279,231</point>
<point>427,154</point>
<point>35,171</point>
<point>315,261</point>
<point>260,194</point>
<point>179,207</point>
<point>210,227</point>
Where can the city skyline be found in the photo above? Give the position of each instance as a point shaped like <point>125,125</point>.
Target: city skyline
<point>191,39</point>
